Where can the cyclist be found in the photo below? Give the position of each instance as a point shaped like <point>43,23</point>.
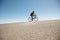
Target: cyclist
<point>33,15</point>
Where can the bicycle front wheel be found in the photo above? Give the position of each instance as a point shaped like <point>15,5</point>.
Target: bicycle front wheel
<point>29,19</point>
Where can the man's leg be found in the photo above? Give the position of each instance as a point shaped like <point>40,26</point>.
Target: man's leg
<point>32,18</point>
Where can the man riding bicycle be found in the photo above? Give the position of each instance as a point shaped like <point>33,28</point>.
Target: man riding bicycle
<point>33,15</point>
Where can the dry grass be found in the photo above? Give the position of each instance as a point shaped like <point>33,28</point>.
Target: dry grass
<point>43,30</point>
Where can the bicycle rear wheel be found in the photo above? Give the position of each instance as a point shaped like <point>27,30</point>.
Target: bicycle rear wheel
<point>35,19</point>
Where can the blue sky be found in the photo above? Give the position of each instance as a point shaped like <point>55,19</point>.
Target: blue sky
<point>19,10</point>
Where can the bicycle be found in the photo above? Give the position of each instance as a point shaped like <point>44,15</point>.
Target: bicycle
<point>34,19</point>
